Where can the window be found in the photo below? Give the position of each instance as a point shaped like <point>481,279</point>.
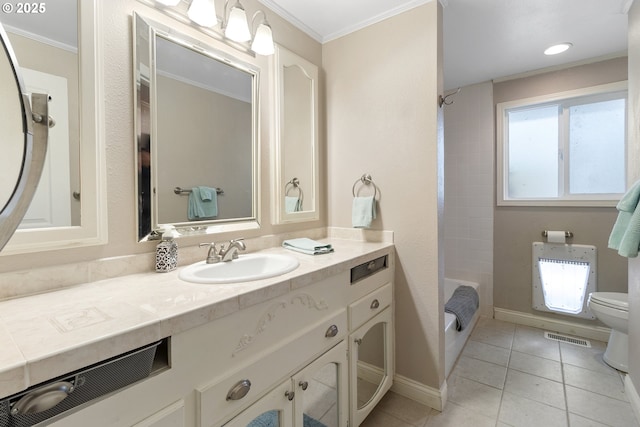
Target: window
<point>567,149</point>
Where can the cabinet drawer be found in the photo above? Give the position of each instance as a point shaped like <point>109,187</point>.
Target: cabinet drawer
<point>267,371</point>
<point>369,305</point>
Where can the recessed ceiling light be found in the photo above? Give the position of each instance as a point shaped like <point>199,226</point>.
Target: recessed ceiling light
<point>558,48</point>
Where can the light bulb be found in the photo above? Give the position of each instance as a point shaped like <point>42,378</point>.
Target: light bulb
<point>203,12</point>
<point>237,27</point>
<point>263,40</point>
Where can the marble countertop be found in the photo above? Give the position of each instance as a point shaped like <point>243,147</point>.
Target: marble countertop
<point>47,335</point>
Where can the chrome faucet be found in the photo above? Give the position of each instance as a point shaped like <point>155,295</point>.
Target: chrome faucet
<point>212,256</point>
<point>231,252</point>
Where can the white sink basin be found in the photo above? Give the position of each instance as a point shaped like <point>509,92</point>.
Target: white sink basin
<point>244,269</point>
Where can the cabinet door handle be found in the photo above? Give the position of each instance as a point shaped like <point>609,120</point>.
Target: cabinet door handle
<point>358,341</point>
<point>239,390</point>
<point>290,395</point>
<point>375,304</point>
<point>371,265</point>
<point>331,332</point>
<point>303,385</point>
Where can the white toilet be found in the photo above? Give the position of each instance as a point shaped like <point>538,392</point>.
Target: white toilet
<point>612,308</point>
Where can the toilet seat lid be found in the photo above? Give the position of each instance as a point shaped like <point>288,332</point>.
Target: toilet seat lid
<point>616,300</point>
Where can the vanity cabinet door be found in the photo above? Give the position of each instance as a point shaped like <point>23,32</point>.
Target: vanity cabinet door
<point>274,409</point>
<point>316,395</point>
<point>321,390</point>
<point>371,364</point>
<point>171,416</point>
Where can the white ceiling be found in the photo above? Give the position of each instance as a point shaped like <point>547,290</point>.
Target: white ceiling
<point>483,39</point>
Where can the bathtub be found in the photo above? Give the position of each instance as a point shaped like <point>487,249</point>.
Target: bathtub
<point>454,340</point>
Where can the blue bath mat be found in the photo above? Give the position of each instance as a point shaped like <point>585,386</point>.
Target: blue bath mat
<point>270,419</point>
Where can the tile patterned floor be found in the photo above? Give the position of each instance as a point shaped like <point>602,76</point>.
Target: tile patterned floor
<point>510,375</point>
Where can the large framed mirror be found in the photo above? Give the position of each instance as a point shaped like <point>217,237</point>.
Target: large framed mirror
<point>196,134</point>
<point>57,49</point>
<point>296,182</point>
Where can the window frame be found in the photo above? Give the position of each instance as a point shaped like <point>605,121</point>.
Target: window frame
<point>569,98</point>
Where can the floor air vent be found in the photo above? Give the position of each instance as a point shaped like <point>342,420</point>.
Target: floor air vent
<point>564,338</point>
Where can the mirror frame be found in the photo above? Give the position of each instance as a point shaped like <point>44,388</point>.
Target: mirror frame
<point>34,148</point>
<point>285,58</point>
<point>93,228</point>
<point>190,228</point>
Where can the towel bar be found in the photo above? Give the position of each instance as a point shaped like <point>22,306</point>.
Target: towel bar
<point>366,180</point>
<point>179,190</point>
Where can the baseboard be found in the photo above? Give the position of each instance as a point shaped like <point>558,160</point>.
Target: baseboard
<point>632,395</point>
<point>419,392</point>
<point>598,333</point>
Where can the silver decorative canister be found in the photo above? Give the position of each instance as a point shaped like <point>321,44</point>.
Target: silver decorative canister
<point>167,253</point>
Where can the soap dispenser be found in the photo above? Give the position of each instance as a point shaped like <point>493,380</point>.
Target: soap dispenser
<point>167,251</point>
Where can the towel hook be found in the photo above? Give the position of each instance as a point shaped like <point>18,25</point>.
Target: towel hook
<point>366,180</point>
<point>444,100</point>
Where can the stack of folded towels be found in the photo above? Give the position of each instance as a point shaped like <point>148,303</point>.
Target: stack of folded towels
<point>307,246</point>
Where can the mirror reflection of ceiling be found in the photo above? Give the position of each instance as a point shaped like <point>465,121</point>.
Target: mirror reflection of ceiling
<point>174,61</point>
<point>483,39</point>
<point>46,26</point>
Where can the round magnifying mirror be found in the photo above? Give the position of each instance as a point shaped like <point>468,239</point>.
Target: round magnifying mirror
<point>22,159</point>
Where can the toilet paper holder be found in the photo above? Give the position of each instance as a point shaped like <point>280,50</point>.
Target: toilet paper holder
<point>567,234</point>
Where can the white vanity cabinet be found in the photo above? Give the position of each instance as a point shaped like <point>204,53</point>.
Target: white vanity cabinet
<point>371,339</point>
<point>316,348</point>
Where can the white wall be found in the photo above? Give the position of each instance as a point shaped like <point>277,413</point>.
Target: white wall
<point>469,188</point>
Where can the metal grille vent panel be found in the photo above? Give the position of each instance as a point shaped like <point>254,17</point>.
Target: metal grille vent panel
<point>89,384</point>
<point>565,338</point>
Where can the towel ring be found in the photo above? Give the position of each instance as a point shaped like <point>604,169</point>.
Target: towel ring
<point>294,184</point>
<point>366,180</point>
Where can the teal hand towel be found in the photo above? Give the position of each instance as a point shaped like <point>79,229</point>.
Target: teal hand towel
<point>292,204</point>
<point>625,235</point>
<point>363,211</point>
<point>203,203</point>
<point>307,246</point>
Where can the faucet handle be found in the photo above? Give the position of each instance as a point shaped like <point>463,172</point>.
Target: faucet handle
<point>212,255</point>
<point>239,241</point>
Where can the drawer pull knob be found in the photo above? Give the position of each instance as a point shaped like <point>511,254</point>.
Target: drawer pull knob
<point>303,385</point>
<point>239,390</point>
<point>375,304</point>
<point>290,395</point>
<point>371,265</point>
<point>332,331</point>
<point>358,341</point>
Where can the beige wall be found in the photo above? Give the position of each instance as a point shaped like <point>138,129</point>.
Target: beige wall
<point>119,133</point>
<point>633,175</point>
<point>383,119</point>
<point>515,228</point>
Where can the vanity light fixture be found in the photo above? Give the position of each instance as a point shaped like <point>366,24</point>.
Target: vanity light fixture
<point>558,48</point>
<point>203,12</point>
<point>263,36</point>
<point>236,27</point>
